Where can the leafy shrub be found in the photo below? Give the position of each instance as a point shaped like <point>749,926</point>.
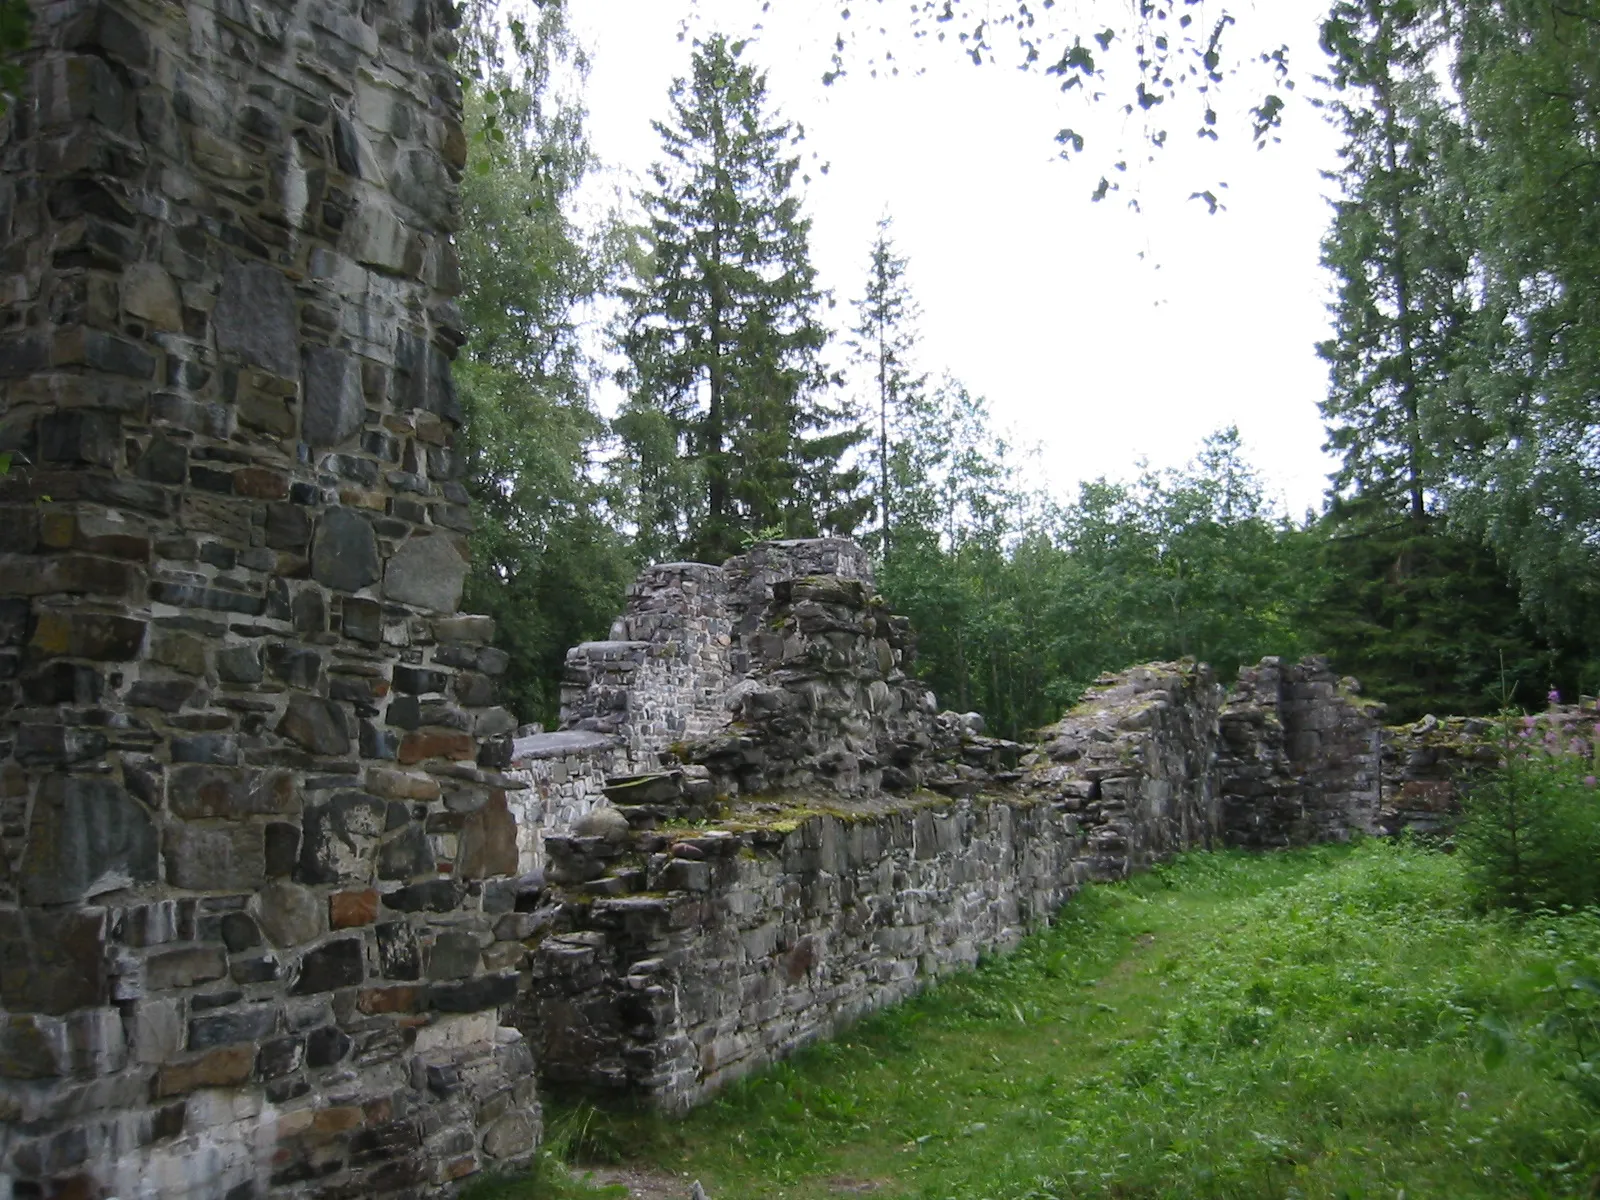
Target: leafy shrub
<point>1531,834</point>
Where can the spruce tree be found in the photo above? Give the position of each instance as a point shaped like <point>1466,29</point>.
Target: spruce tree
<point>884,345</point>
<point>1399,258</point>
<point>727,433</point>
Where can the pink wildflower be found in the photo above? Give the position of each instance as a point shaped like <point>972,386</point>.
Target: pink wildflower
<point>1553,696</point>
<point>1589,781</point>
<point>1528,722</point>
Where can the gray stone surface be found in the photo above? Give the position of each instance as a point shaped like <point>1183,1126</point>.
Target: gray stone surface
<point>87,836</point>
<point>334,405</point>
<point>289,915</point>
<point>345,552</point>
<point>255,317</point>
<point>428,573</point>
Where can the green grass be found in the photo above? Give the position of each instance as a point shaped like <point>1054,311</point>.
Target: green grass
<point>1333,1022</point>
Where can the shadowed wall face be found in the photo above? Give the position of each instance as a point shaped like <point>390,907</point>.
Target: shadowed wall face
<point>253,839</point>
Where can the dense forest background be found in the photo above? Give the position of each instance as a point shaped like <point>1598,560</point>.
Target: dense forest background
<point>1457,556</point>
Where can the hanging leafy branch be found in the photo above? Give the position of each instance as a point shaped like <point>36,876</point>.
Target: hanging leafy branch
<point>1165,63</point>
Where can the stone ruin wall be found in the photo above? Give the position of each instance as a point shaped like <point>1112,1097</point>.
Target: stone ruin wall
<point>1300,756</point>
<point>779,669</point>
<point>272,862</point>
<point>1432,765</point>
<point>254,843</point>
<point>746,898</point>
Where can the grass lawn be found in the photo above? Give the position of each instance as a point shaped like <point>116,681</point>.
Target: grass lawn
<point>1330,1023</point>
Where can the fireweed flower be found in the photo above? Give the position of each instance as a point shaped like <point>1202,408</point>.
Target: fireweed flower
<point>1553,696</point>
<point>1588,781</point>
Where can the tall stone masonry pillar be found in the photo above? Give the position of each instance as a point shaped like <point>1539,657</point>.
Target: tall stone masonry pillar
<point>254,843</point>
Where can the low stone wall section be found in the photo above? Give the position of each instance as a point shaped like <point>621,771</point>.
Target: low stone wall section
<point>1431,766</point>
<point>770,936</point>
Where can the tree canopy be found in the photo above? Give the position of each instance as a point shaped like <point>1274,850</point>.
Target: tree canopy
<point>728,431</point>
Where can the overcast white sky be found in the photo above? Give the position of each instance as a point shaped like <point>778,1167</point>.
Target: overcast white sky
<point>1031,294</point>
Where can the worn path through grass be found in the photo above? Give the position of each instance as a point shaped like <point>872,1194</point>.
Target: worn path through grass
<point>1323,1023</point>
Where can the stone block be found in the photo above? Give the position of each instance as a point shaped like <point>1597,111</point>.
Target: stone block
<point>56,745</point>
<point>453,955</point>
<point>347,910</point>
<point>86,836</point>
<point>183,967</point>
<point>224,858</point>
<point>240,664</point>
<point>473,995</point>
<point>380,1001</point>
<point>327,1046</point>
<point>255,318</point>
<point>473,629</point>
<point>335,964</point>
<point>290,915</point>
<point>407,855</point>
<point>149,293</point>
<point>340,837</point>
<point>435,895</point>
<point>221,749</point>
<point>363,620</point>
<point>95,636</point>
<point>164,461</point>
<point>165,695</point>
<point>345,553</point>
<point>418,681</point>
<point>200,791</point>
<point>80,436</point>
<point>280,1056</point>
<point>422,745</point>
<point>428,573</point>
<point>334,405</point>
<point>240,932</point>
<point>157,1030</point>
<point>52,961</point>
<point>295,665</point>
<point>400,785</point>
<point>317,724</point>
<point>248,1024</point>
<point>488,841</point>
<point>228,1066</point>
<point>399,954</point>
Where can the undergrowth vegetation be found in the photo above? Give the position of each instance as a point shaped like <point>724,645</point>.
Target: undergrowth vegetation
<point>1531,838</point>
<point>1337,1022</point>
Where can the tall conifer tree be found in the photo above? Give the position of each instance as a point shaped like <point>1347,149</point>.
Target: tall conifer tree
<point>1398,255</point>
<point>727,432</point>
<point>884,345</point>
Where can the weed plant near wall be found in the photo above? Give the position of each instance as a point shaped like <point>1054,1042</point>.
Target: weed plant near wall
<point>1531,835</point>
<point>1331,1023</point>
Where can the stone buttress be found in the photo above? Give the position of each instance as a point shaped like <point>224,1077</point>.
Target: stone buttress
<point>254,841</point>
